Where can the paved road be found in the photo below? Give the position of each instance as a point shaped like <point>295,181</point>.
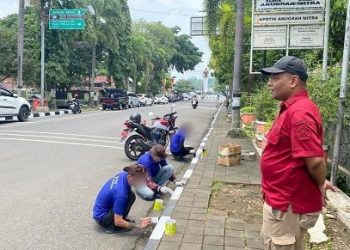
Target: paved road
<point>52,168</point>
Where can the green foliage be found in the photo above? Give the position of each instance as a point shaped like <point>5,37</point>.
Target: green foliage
<point>266,107</point>
<point>8,46</point>
<point>248,110</point>
<point>156,48</point>
<point>183,86</point>
<point>325,94</point>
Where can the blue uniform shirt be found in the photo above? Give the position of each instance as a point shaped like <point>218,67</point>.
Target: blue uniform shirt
<point>177,142</point>
<point>113,195</point>
<point>152,167</point>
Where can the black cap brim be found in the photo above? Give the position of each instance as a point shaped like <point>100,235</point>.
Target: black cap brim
<point>272,70</point>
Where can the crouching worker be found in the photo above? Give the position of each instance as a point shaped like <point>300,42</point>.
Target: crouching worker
<point>177,147</point>
<point>116,198</point>
<point>159,172</point>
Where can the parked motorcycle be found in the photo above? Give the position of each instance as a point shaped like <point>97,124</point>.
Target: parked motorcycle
<point>141,138</point>
<point>74,106</point>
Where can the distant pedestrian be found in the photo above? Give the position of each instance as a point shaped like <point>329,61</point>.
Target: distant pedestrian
<point>292,165</point>
<point>227,103</point>
<point>95,99</point>
<point>115,199</point>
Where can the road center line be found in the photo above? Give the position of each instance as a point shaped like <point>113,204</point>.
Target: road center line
<point>56,133</point>
<point>60,137</point>
<point>60,142</point>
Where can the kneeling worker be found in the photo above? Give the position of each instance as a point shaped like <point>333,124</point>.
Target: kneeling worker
<point>116,198</point>
<point>177,147</point>
<point>159,172</point>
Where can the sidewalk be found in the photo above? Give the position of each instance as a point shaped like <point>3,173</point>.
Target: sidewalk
<point>201,228</point>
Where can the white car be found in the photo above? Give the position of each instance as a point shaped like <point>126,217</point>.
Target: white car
<point>133,100</point>
<point>145,100</point>
<point>161,99</point>
<point>12,105</point>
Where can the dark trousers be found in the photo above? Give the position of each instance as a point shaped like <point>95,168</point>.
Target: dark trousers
<point>108,220</point>
<point>184,151</point>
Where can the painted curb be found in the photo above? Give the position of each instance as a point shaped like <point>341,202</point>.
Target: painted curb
<point>158,231</point>
<point>39,114</point>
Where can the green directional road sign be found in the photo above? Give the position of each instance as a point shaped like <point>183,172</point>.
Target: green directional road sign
<point>67,19</point>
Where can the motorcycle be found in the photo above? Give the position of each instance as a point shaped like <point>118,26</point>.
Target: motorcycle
<point>139,138</point>
<point>74,106</point>
<point>194,103</point>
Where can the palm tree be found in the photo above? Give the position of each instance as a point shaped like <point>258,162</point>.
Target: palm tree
<point>212,21</point>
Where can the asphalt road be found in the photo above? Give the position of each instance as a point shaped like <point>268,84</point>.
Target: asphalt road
<point>52,168</point>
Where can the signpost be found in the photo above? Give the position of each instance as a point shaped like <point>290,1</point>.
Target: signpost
<point>286,25</point>
<point>67,19</point>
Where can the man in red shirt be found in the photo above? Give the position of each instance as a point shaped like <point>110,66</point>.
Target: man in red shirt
<point>293,169</point>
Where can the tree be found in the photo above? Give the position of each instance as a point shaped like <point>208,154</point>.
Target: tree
<point>183,86</point>
<point>155,49</point>
<point>187,55</point>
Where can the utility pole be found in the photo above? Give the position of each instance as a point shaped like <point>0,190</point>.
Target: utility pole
<point>20,45</point>
<point>42,68</point>
<point>93,69</point>
<point>237,68</point>
<point>342,96</point>
<point>326,40</point>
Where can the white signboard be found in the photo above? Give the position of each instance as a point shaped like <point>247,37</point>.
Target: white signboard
<point>270,37</point>
<point>274,5</point>
<point>306,36</point>
<point>283,18</point>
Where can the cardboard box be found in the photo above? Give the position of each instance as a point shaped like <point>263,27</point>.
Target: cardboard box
<point>229,155</point>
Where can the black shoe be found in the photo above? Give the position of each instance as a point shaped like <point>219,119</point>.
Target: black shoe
<point>117,230</point>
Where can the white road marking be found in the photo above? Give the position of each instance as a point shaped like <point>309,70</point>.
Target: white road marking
<point>60,142</point>
<point>159,229</point>
<point>56,133</point>
<point>188,174</point>
<point>177,193</point>
<point>60,137</point>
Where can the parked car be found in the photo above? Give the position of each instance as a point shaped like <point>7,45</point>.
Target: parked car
<point>114,98</point>
<point>145,99</point>
<point>186,97</point>
<point>133,100</point>
<point>12,105</point>
<point>161,99</point>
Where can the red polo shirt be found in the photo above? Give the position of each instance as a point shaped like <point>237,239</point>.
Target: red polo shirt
<point>296,133</point>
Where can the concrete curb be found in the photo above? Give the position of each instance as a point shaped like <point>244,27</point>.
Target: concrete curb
<point>38,114</point>
<point>158,231</point>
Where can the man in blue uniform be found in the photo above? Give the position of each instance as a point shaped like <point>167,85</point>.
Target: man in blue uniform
<point>115,199</point>
<point>159,172</point>
<point>177,147</point>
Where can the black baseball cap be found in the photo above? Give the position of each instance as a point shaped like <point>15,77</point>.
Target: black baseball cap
<point>290,64</point>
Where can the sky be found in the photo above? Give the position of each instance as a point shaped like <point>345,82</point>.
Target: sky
<point>170,12</point>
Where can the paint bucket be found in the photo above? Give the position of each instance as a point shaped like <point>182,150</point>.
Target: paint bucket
<point>170,227</point>
<point>158,205</point>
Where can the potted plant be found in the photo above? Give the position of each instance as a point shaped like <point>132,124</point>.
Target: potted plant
<point>248,115</point>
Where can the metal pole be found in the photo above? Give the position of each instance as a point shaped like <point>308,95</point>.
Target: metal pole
<point>20,47</point>
<point>342,95</point>
<point>42,70</point>
<point>93,69</point>
<point>326,40</point>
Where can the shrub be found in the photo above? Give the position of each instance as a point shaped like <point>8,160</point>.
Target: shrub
<point>325,94</point>
<point>266,107</point>
<point>248,110</point>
